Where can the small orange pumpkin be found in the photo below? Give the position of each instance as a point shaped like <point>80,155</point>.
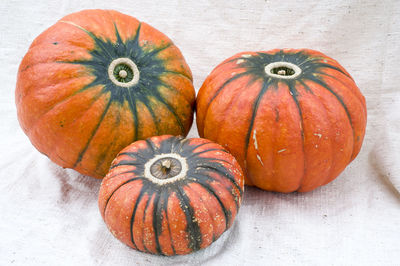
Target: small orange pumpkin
<point>96,81</point>
<point>168,195</point>
<point>294,119</point>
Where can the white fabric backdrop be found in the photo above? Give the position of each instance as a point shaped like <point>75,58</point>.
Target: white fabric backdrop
<point>49,215</point>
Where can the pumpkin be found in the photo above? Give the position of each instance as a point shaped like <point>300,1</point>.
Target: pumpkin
<point>168,195</point>
<point>293,118</point>
<point>95,82</point>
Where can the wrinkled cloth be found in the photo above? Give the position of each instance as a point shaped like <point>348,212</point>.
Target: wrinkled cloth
<point>49,215</point>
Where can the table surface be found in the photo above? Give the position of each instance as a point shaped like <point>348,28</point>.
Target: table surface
<point>49,215</point>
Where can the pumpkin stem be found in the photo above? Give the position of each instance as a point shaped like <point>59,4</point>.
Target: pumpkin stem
<point>165,168</point>
<point>283,70</point>
<point>123,72</point>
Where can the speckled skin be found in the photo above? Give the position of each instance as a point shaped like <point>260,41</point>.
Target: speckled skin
<point>287,134</point>
<point>176,217</point>
<point>73,112</point>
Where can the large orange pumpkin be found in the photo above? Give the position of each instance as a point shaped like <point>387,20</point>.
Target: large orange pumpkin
<point>168,195</point>
<point>294,119</point>
<point>96,81</point>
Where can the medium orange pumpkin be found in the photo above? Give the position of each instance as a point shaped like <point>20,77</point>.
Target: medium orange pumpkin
<point>294,119</point>
<point>168,195</point>
<point>96,81</point>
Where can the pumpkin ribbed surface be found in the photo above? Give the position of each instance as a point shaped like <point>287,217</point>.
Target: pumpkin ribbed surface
<point>96,81</point>
<point>294,119</point>
<point>168,195</point>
